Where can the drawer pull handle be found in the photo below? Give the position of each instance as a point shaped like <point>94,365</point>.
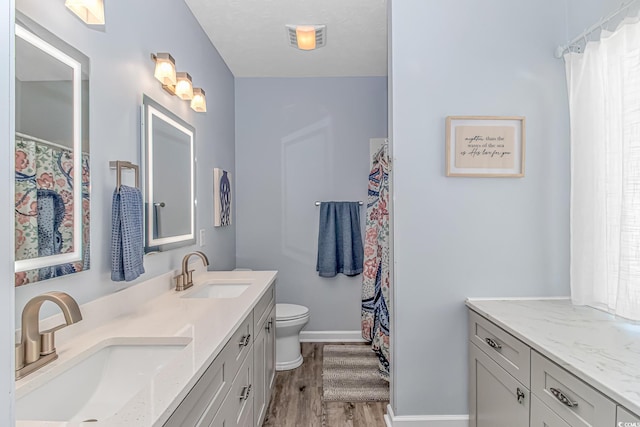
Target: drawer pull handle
<point>493,343</point>
<point>520,396</point>
<point>244,394</point>
<point>269,325</point>
<point>558,394</point>
<point>244,341</point>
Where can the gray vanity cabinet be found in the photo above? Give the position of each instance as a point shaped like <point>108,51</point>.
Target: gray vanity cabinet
<point>542,416</point>
<point>496,398</point>
<point>507,377</point>
<point>498,377</point>
<point>264,359</point>
<point>235,389</point>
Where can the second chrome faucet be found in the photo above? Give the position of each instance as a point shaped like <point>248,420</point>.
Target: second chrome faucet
<point>185,280</point>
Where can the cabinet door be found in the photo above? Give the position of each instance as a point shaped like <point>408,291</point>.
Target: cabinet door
<point>496,399</point>
<point>260,376</point>
<point>626,416</point>
<point>271,353</point>
<point>542,416</point>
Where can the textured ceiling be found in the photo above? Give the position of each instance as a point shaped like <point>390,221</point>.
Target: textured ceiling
<point>250,35</point>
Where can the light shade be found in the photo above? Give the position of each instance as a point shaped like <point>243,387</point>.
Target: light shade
<point>306,36</point>
<point>90,11</point>
<point>165,70</point>
<point>184,86</point>
<point>199,101</point>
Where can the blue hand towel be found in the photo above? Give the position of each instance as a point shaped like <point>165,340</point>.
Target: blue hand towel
<point>339,239</point>
<point>127,247</point>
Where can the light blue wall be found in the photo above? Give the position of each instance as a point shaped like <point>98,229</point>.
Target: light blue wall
<point>298,141</point>
<point>471,237</point>
<point>7,156</point>
<point>121,71</point>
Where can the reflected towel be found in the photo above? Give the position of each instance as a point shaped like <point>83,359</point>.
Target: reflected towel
<point>339,239</point>
<point>127,247</point>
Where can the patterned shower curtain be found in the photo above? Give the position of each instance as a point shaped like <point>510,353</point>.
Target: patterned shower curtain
<point>44,207</point>
<point>376,279</point>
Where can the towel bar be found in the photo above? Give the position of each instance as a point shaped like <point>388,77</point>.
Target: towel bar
<point>118,165</point>
<point>360,202</point>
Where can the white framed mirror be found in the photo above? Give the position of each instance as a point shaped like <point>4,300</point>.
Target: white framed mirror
<point>52,156</point>
<point>169,178</point>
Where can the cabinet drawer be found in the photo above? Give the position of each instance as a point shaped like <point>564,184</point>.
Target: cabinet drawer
<point>496,399</point>
<point>626,416</point>
<point>262,309</point>
<point>241,393</point>
<point>542,416</point>
<point>511,354</point>
<point>575,401</point>
<point>240,343</point>
<point>206,397</point>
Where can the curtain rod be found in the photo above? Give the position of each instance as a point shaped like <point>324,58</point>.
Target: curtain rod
<point>560,51</point>
<point>43,141</point>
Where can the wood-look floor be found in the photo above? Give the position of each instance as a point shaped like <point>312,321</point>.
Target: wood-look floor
<point>297,399</point>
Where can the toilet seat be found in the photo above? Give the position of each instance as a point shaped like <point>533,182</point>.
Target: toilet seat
<point>286,312</point>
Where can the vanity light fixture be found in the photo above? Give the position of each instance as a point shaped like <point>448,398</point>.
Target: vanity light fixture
<point>165,70</point>
<point>90,11</point>
<point>184,86</point>
<point>306,37</point>
<point>178,83</point>
<point>199,101</point>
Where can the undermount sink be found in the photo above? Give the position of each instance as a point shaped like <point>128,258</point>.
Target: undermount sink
<point>219,289</point>
<point>97,383</point>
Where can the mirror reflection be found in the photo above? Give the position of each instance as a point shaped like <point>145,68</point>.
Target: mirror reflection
<point>169,179</point>
<point>52,155</point>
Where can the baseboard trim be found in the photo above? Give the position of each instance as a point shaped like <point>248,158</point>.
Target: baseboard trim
<point>331,336</point>
<point>393,420</point>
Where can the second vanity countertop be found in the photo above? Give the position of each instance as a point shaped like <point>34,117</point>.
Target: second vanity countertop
<point>207,322</point>
<point>599,348</point>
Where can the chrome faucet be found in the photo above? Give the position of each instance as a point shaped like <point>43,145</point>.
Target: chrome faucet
<point>36,348</point>
<point>185,280</point>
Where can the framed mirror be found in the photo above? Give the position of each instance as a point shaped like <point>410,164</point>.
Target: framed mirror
<point>52,156</point>
<point>169,178</point>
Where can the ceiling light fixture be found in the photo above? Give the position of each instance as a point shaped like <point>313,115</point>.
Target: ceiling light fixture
<point>199,101</point>
<point>90,11</point>
<point>307,37</point>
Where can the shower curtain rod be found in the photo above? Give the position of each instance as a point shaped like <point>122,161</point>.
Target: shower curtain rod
<point>560,51</point>
<point>360,202</point>
<point>43,141</point>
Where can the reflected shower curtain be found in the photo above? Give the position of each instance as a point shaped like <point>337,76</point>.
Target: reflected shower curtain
<point>376,279</point>
<point>44,207</point>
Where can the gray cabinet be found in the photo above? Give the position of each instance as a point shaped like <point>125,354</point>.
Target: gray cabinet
<point>626,417</point>
<point>264,364</point>
<point>542,416</point>
<point>496,398</point>
<point>235,389</point>
<point>501,370</point>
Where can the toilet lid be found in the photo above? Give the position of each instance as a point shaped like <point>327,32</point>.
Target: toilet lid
<point>290,311</point>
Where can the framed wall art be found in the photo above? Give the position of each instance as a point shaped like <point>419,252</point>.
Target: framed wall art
<point>221,197</point>
<point>485,146</point>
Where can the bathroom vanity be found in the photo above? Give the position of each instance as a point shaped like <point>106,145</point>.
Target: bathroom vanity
<point>201,357</point>
<point>547,363</point>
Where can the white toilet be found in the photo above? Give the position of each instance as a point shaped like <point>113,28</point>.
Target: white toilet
<point>290,319</point>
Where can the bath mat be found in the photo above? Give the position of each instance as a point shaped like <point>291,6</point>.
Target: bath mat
<point>350,374</point>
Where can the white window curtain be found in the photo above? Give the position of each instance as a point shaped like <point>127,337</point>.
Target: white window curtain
<point>604,100</point>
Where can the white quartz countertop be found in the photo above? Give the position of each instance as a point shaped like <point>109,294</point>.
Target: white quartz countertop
<point>154,310</point>
<point>601,349</point>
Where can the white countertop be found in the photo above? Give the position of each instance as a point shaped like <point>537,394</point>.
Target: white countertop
<point>601,349</point>
<point>154,310</point>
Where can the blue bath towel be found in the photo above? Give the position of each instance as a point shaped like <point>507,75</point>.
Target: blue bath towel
<point>127,246</point>
<point>339,239</point>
